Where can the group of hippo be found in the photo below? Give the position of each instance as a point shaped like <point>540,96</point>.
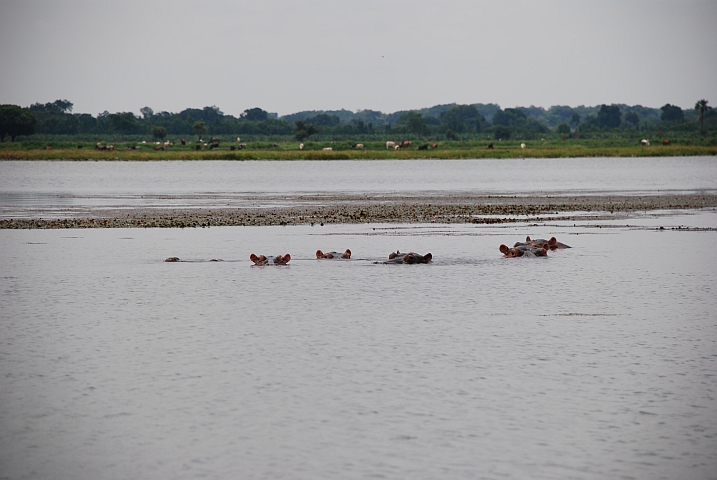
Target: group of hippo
<point>394,257</point>
<point>531,248</point>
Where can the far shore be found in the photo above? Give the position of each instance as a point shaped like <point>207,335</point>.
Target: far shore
<point>357,209</point>
<point>285,151</point>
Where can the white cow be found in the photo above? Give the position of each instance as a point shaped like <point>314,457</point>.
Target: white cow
<point>645,143</point>
<point>327,149</point>
<point>522,145</point>
<point>301,147</point>
<point>390,145</point>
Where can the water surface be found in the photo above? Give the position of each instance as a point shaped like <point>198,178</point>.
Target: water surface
<point>597,362</point>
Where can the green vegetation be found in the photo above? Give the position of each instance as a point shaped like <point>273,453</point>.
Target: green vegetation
<point>344,150</point>
<point>461,130</point>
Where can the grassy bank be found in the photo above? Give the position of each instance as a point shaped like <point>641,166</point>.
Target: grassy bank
<point>344,151</point>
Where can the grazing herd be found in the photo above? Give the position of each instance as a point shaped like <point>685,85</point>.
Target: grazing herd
<point>528,248</point>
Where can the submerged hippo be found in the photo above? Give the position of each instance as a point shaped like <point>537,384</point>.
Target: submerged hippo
<point>539,242</point>
<point>262,260</point>
<point>524,250</point>
<point>172,259</point>
<point>409,258</point>
<point>329,255</point>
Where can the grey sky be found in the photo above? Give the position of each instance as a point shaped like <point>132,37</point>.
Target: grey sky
<point>387,55</point>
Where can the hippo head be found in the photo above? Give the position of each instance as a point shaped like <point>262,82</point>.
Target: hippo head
<point>347,254</point>
<point>282,260</point>
<point>258,260</point>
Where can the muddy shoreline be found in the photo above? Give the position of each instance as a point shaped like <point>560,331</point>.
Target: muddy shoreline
<point>343,209</point>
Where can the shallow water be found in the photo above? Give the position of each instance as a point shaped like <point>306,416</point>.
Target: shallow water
<point>55,188</point>
<point>596,362</point>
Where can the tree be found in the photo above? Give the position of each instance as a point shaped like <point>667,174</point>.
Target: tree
<point>702,107</point>
<point>563,129</point>
<point>159,132</point>
<point>416,123</point>
<point>460,116</point>
<point>672,113</point>
<point>146,112</point>
<point>323,120</point>
<point>304,130</point>
<point>58,106</point>
<point>124,122</point>
<point>15,120</point>
<point>608,116</point>
<point>199,128</point>
<point>255,115</point>
<point>575,120</point>
<point>510,117</point>
<point>501,132</point>
<point>631,117</point>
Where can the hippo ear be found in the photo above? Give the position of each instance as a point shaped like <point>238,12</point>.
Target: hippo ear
<point>319,254</point>
<point>527,239</point>
<point>286,258</point>
<point>504,249</point>
<point>253,258</point>
<point>347,253</point>
<point>391,256</point>
<point>546,246</point>
<point>553,241</point>
<point>427,257</point>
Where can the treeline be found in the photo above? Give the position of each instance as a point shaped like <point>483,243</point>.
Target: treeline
<point>449,122</point>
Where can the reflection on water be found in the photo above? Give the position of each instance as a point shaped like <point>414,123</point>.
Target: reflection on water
<point>596,362</point>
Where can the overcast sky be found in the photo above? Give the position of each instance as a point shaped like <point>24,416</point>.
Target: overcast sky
<point>387,55</point>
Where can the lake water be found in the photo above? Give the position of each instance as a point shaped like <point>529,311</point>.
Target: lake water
<point>598,362</point>
<point>41,188</point>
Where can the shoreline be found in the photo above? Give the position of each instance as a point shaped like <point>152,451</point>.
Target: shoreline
<point>355,209</point>
<point>446,152</point>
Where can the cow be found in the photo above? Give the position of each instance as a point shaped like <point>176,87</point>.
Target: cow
<point>167,144</point>
<point>232,147</point>
<point>327,149</point>
<point>644,142</point>
<point>666,142</point>
<point>435,145</point>
<point>406,144</point>
<point>423,147</point>
<point>183,141</point>
<point>490,146</point>
<point>241,146</point>
<point>357,146</point>
<point>301,146</point>
<point>48,147</point>
<point>158,147</point>
<point>390,145</point>
<point>522,145</point>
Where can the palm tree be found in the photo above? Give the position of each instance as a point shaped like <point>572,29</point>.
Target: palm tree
<point>702,107</point>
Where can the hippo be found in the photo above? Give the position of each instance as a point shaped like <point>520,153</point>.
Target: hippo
<point>524,250</point>
<point>538,242</point>
<point>329,255</point>
<point>409,258</point>
<point>172,259</point>
<point>262,260</point>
